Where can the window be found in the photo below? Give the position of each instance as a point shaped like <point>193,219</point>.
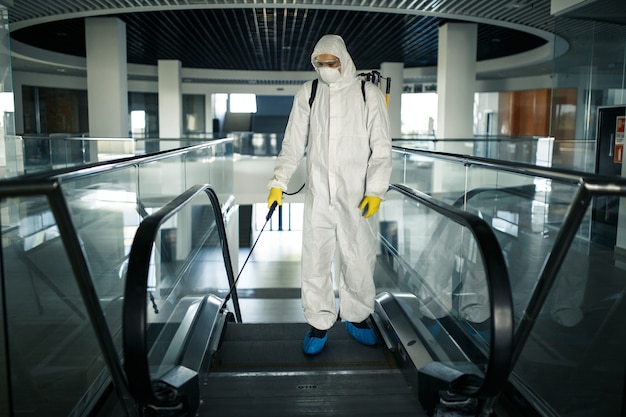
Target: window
<point>243,103</point>
<point>419,113</point>
<point>138,123</point>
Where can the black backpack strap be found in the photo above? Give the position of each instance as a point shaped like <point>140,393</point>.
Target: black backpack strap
<point>363,88</point>
<point>313,91</point>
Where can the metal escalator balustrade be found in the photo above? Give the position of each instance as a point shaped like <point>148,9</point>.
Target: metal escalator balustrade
<point>162,306</point>
<point>447,287</point>
<point>154,383</point>
<point>68,231</point>
<point>566,281</point>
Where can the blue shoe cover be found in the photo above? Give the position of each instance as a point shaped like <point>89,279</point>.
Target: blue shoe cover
<point>365,336</point>
<point>313,345</point>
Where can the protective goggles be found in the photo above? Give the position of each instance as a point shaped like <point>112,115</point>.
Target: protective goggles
<point>330,63</point>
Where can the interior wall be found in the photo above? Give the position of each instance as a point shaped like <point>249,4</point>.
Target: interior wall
<point>237,122</point>
<point>524,113</point>
<point>272,114</point>
<point>563,121</point>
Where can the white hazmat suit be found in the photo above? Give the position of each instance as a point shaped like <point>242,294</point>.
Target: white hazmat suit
<point>347,141</point>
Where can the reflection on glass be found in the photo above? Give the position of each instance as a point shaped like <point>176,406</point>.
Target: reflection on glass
<point>161,181</point>
<point>186,266</point>
<point>106,215</point>
<point>573,361</point>
<point>436,265</point>
<point>54,356</point>
<point>599,48</point>
<point>575,155</point>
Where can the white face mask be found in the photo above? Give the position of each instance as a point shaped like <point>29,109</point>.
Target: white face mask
<point>330,75</point>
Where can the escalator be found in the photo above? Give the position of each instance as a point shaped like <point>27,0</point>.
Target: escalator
<point>65,247</point>
<point>443,317</point>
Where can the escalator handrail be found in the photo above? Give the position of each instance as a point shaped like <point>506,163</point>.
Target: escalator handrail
<point>501,306</point>
<point>134,322</point>
<point>600,183</point>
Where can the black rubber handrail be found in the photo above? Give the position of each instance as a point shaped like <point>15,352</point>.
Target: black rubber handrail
<point>134,324</point>
<point>498,286</point>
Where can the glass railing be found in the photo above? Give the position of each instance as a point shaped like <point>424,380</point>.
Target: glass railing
<point>446,271</point>
<point>565,263</point>
<point>256,144</point>
<point>60,356</point>
<point>577,155</point>
<point>66,241</point>
<point>180,276</point>
<point>43,153</point>
<point>567,289</point>
<point>454,288</point>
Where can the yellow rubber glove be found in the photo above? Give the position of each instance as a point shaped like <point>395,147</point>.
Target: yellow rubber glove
<point>371,203</point>
<point>276,194</point>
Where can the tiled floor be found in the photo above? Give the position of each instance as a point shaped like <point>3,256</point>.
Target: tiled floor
<point>269,284</point>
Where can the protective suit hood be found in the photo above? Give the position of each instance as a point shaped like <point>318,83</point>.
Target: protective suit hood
<point>334,45</point>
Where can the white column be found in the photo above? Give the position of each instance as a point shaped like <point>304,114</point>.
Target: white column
<point>456,80</point>
<point>107,80</point>
<point>209,114</point>
<point>170,99</point>
<point>395,71</point>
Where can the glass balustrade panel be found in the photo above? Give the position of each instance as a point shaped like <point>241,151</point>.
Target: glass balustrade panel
<point>161,181</point>
<point>573,362</point>
<point>186,266</point>
<point>106,214</point>
<point>54,359</point>
<point>435,268</point>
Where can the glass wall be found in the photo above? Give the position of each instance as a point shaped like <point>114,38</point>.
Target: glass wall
<point>9,167</point>
<point>193,114</point>
<point>49,111</point>
<point>595,67</point>
<point>144,115</point>
<point>54,110</point>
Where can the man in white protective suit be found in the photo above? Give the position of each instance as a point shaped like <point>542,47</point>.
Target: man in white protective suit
<point>345,135</point>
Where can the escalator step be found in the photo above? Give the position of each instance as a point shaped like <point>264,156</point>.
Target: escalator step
<point>278,347</point>
<point>375,393</point>
<point>260,370</point>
